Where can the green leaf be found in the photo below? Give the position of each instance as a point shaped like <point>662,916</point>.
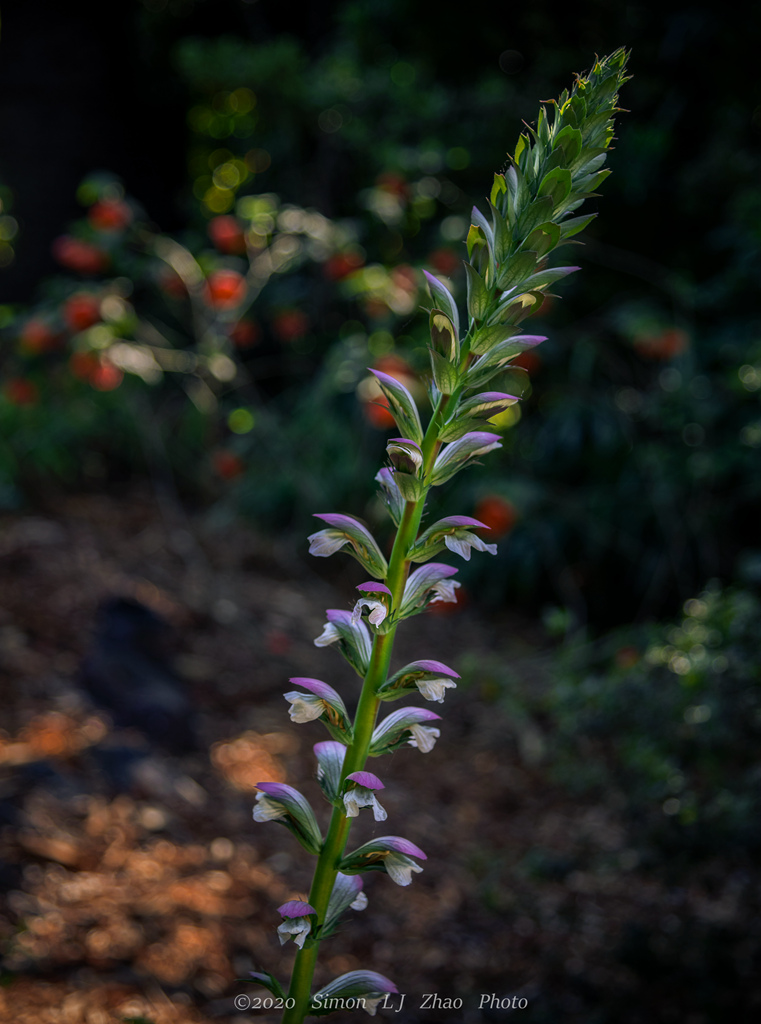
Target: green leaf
<point>503,236</point>
<point>266,980</point>
<point>459,427</point>
<point>548,276</point>
<point>481,222</point>
<point>475,239</point>
<point>443,299</point>
<point>539,212</point>
<point>478,294</point>
<point>596,127</point>
<point>556,185</point>
<point>590,182</point>
<point>569,141</point>
<point>498,189</point>
<point>521,149</point>
<point>402,405</point>
<point>487,337</point>
<point>516,270</point>
<point>443,337</point>
<point>526,304</point>
<point>445,374</point>
<point>515,381</point>
<point>543,239</point>
<point>410,487</point>
<point>571,227</point>
<point>507,350</point>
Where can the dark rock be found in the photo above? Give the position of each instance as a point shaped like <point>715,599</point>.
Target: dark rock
<point>127,672</point>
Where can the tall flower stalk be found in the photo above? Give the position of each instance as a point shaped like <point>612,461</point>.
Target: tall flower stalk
<point>554,168</point>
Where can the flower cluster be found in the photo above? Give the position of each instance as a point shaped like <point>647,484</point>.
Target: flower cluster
<point>549,177</point>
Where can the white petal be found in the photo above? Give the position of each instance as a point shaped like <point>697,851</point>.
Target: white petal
<point>444,590</point>
<point>360,902</point>
<point>296,928</point>
<point>433,689</point>
<point>358,797</point>
<point>371,1005</point>
<point>378,611</point>
<point>268,810</point>
<point>424,737</point>
<point>379,812</point>
<point>305,707</point>
<point>400,868</point>
<point>352,803</point>
<point>458,545</point>
<point>326,542</point>
<point>328,636</point>
<point>480,545</point>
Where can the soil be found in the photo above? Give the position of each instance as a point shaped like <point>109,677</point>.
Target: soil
<point>138,887</point>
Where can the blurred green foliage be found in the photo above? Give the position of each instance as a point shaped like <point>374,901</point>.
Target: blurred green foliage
<point>636,457</point>
<point>666,720</point>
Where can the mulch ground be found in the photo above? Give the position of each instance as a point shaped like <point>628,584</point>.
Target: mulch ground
<point>145,893</point>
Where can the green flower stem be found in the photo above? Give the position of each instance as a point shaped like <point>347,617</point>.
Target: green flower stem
<point>528,208</point>
<point>364,724</point>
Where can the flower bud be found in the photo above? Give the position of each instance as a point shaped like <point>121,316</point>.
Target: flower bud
<point>428,585</point>
<point>360,793</point>
<point>431,678</point>
<point>452,533</point>
<point>297,922</point>
<point>404,455</point>
<point>347,894</point>
<point>352,638</point>
<point>405,726</point>
<point>379,603</point>
<point>366,987</point>
<point>348,530</point>
<point>321,702</point>
<point>391,854</point>
<point>278,802</point>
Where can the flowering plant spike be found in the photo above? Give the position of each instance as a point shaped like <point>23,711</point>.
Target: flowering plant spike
<point>556,165</point>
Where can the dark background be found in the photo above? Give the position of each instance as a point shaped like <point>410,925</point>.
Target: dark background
<point>591,812</point>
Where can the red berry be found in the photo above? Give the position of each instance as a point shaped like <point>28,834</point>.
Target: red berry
<point>626,657</point>
<point>404,277</point>
<point>227,234</point>
<point>666,345</point>
<point>20,391</point>
<point>291,324</point>
<point>394,183</point>
<point>445,261</point>
<point>81,311</point>
<point>529,361</point>
<point>245,334</point>
<point>110,215</point>
<point>342,264</point>
<point>499,514</point>
<point>225,289</point>
<point>83,365</point>
<point>105,376</point>
<point>81,257</point>
<point>170,282</point>
<point>38,336</point>
<point>226,465</point>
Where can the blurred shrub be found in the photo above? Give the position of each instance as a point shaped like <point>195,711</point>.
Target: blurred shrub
<point>666,721</point>
<point>637,460</point>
